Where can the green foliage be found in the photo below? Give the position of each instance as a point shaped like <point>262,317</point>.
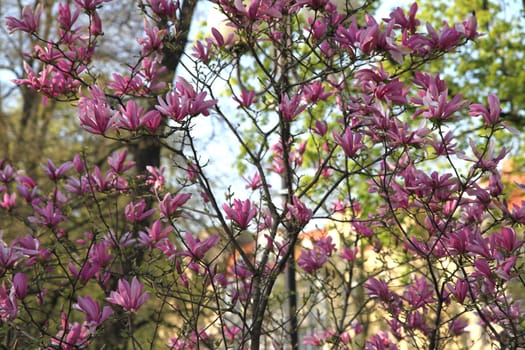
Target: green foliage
<point>495,62</point>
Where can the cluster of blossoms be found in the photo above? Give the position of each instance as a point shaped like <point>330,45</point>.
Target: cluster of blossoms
<point>425,247</point>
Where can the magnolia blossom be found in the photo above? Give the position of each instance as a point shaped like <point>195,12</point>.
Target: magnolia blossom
<point>72,336</point>
<point>241,213</point>
<point>349,141</point>
<point>136,212</point>
<point>170,205</point>
<point>154,234</point>
<point>94,316</point>
<point>197,248</point>
<point>8,304</point>
<point>491,115</point>
<point>290,108</point>
<point>129,297</point>
<point>29,22</point>
<point>20,285</point>
<point>298,211</point>
<point>311,260</point>
<point>95,113</point>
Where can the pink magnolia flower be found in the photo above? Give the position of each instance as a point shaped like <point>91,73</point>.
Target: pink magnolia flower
<point>368,37</point>
<point>380,341</point>
<point>29,22</point>
<point>95,113</point>
<point>50,81</point>
<point>470,27</point>
<point>409,23</point>
<point>65,18</point>
<point>446,39</point>
<point>313,339</point>
<point>128,296</point>
<point>457,326</point>
<point>315,92</point>
<point>362,228</point>
<point>419,293</point>
<point>152,120</point>
<point>130,116</point>
<point>136,212</point>
<point>484,158</point>
<point>431,83</point>
<point>126,85</point>
<point>171,204</point>
<point>168,248</point>
<point>9,256</point>
<point>30,247</point>
<point>506,239</point>
<point>218,38</point>
<point>98,254</point>
<point>230,332</point>
<point>241,213</point>
<point>437,107</point>
<point>153,41</point>
<point>378,289</point>
<point>320,128</point>
<point>154,234</point>
<point>192,172</point>
<point>72,336</point>
<point>30,194</point>
<point>350,142</point>
<point>345,337</point>
<point>318,28</point>
<point>87,271</point>
<point>94,317</point>
<point>55,173</point>
<point>172,107</point>
<point>151,71</point>
<point>298,211</point>
<point>290,108</point>
<point>164,8</point>
<point>416,321</point>
<point>117,162</point>
<point>202,51</point>
<point>313,4</point>
<point>90,5</point>
<point>195,101</point>
<point>349,254</point>
<point>483,269</point>
<point>247,98</point>
<point>490,115</point>
<point>311,260</point>
<point>393,91</point>
<point>9,200</point>
<point>124,241</point>
<point>254,182</point>
<point>155,178</point>
<point>178,343</point>
<point>518,212</point>
<point>7,174</point>
<point>79,164</point>
<point>8,304</point>
<point>258,9</point>
<point>20,285</point>
<point>495,185</point>
<point>107,181</point>
<point>197,248</point>
<point>96,24</point>
<point>504,269</point>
